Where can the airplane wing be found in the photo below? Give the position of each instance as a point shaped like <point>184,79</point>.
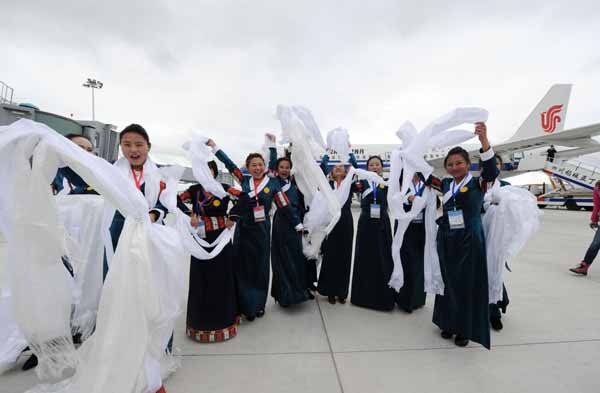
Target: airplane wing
<point>577,137</point>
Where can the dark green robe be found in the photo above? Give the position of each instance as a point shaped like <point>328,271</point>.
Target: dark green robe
<point>412,294</point>
<point>373,263</point>
<point>252,242</point>
<point>464,308</point>
<point>334,278</point>
<point>289,284</point>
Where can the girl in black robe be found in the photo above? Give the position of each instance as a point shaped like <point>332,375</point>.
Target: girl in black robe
<point>252,240</point>
<point>334,278</point>
<point>412,294</point>
<point>212,309</point>
<point>373,263</point>
<point>463,310</point>
<point>289,282</point>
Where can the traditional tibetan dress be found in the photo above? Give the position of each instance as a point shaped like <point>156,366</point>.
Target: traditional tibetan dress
<point>373,263</point>
<point>464,308</point>
<point>289,284</point>
<point>212,309</point>
<point>253,237</point>
<point>412,295</point>
<point>334,278</point>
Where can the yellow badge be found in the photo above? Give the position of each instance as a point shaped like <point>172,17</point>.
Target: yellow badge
<point>266,190</point>
<point>464,189</point>
<point>89,189</point>
<point>217,203</point>
<point>382,186</point>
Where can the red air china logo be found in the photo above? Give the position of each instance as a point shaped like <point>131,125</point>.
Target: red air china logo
<point>550,118</point>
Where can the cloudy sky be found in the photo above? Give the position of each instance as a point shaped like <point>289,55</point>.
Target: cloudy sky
<point>221,67</point>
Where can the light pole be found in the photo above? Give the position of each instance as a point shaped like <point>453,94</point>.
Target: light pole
<point>93,84</point>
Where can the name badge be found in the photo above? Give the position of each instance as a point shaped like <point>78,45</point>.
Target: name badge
<point>259,214</point>
<point>375,210</point>
<point>419,218</point>
<point>456,219</point>
<point>201,230</point>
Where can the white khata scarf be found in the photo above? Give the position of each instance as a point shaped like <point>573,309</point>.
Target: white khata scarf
<point>511,218</point>
<point>338,140</point>
<point>299,128</point>
<point>142,290</point>
<point>409,159</point>
<point>194,244</point>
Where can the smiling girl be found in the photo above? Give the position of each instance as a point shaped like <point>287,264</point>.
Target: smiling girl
<point>289,284</point>
<point>334,279</point>
<point>142,171</point>
<point>253,241</point>
<point>463,310</point>
<point>373,263</point>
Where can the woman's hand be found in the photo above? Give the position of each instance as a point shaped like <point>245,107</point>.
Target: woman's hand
<point>411,198</point>
<point>195,221</point>
<point>481,132</point>
<point>211,143</point>
<point>271,137</point>
<point>153,216</point>
<point>229,223</point>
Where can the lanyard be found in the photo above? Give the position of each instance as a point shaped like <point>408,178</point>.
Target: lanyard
<point>137,180</point>
<point>418,190</point>
<point>255,191</point>
<point>456,189</point>
<point>374,192</point>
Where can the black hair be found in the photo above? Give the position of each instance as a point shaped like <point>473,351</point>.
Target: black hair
<point>212,165</point>
<point>73,136</point>
<point>252,156</point>
<point>460,151</point>
<point>375,158</point>
<point>282,159</point>
<point>496,157</point>
<point>136,129</point>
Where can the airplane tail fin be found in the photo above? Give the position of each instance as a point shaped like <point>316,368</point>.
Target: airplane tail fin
<point>549,116</point>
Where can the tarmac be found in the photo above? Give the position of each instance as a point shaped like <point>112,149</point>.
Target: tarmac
<point>550,341</point>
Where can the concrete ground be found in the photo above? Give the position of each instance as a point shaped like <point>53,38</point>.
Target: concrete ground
<point>550,343</point>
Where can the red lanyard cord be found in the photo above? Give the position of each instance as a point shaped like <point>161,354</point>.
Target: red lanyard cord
<point>137,180</point>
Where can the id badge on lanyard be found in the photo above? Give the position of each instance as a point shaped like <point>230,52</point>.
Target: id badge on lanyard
<point>259,213</point>
<point>375,210</point>
<point>456,219</point>
<point>201,230</point>
<point>259,210</point>
<point>375,207</point>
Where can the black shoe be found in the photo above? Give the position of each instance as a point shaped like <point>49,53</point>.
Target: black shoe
<point>30,363</point>
<point>496,324</point>
<point>461,342</point>
<point>260,313</point>
<point>331,299</point>
<point>310,295</point>
<point>252,318</point>
<point>342,300</point>
<point>447,335</point>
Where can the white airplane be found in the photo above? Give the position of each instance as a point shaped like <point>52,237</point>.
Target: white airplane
<point>543,127</point>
